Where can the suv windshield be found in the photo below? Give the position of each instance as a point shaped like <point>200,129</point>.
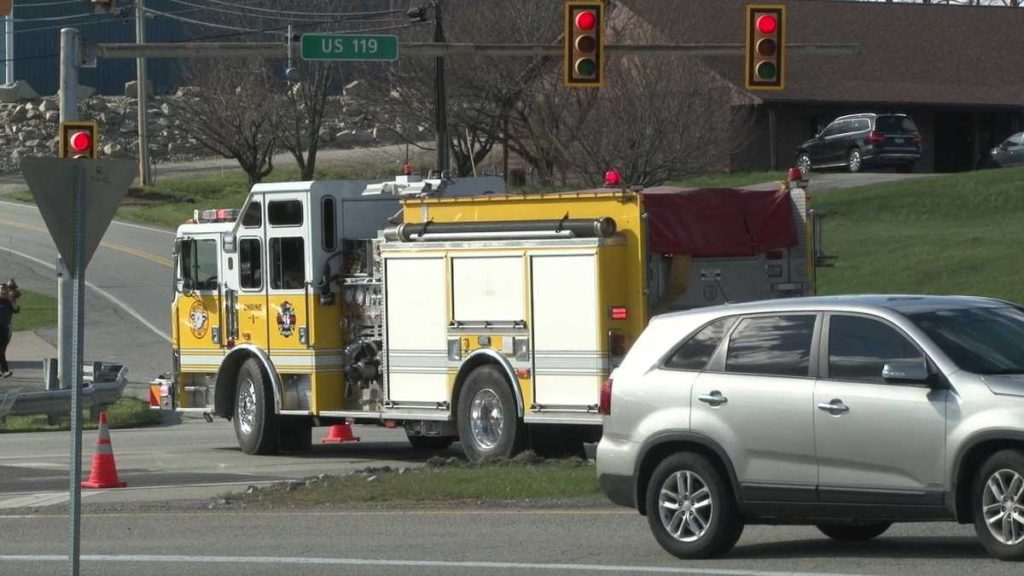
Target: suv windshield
<point>979,340</point>
<point>895,125</point>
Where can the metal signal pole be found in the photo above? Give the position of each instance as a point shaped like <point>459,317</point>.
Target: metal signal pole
<point>145,171</point>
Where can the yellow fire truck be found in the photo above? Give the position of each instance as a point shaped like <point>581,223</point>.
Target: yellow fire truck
<point>450,307</point>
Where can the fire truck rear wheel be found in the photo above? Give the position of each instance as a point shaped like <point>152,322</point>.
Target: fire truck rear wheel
<point>256,425</point>
<point>489,425</point>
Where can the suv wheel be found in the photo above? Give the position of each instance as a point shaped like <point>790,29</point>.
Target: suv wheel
<point>803,162</point>
<point>998,503</point>
<point>853,532</point>
<point>691,509</point>
<point>854,160</point>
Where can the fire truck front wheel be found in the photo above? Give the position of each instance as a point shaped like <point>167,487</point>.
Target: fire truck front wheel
<point>256,425</point>
<point>489,426</point>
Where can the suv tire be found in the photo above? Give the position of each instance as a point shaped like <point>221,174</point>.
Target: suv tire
<point>695,516</point>
<point>853,532</point>
<point>999,487</point>
<point>854,160</point>
<point>803,162</point>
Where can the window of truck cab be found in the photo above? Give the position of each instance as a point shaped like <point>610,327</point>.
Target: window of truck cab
<point>199,263</point>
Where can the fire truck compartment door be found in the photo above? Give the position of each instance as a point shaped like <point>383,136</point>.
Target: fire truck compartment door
<point>417,320</point>
<point>489,288</point>
<point>569,363</point>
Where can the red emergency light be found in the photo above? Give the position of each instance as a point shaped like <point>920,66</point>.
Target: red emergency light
<point>612,178</point>
<point>618,313</point>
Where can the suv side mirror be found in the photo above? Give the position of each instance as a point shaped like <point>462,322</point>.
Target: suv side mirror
<point>903,371</point>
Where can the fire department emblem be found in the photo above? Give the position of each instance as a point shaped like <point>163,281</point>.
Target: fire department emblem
<point>197,319</point>
<point>286,319</point>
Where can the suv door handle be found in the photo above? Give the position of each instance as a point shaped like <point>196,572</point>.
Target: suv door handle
<point>835,407</point>
<point>714,399</point>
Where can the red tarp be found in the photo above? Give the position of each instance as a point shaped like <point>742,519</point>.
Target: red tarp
<point>718,221</point>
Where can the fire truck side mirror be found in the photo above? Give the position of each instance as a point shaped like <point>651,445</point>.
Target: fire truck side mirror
<point>326,295</point>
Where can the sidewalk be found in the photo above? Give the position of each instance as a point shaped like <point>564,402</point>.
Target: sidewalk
<point>25,356</point>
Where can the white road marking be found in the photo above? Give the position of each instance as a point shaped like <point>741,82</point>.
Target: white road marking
<point>525,566</point>
<point>110,297</point>
<point>37,499</point>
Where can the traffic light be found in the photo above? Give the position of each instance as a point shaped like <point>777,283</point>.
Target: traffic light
<point>79,140</point>
<point>108,6</point>
<point>583,60</point>
<point>5,7</point>
<point>766,47</point>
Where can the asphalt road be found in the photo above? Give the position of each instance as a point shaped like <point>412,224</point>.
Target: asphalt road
<point>466,540</point>
<point>191,461</point>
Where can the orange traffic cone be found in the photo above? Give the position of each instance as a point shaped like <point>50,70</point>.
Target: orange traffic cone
<point>103,473</point>
<point>339,433</point>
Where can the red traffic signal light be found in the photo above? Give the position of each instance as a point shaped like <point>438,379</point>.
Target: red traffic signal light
<point>765,47</point>
<point>584,44</point>
<point>79,140</point>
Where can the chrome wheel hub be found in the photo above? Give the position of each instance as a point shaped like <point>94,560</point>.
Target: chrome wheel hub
<point>486,419</point>
<point>1002,503</point>
<point>246,409</point>
<point>685,506</point>
<point>855,161</point>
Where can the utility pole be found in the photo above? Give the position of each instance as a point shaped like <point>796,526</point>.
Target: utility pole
<point>9,47</point>
<point>145,172</point>
<point>440,94</point>
<point>68,292</point>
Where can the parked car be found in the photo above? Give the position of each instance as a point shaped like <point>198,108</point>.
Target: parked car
<point>1010,152</point>
<point>859,141</point>
<point>848,413</point>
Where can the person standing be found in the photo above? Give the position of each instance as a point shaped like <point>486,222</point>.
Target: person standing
<point>9,295</point>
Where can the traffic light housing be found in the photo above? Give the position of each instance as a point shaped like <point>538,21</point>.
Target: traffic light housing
<point>79,139</point>
<point>766,47</point>
<point>583,61</point>
<point>100,6</point>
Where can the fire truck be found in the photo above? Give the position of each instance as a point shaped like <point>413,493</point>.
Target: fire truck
<point>451,307</point>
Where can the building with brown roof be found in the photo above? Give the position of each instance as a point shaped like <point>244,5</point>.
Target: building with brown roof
<point>958,71</point>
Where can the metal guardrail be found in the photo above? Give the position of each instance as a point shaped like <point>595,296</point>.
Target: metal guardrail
<point>103,384</point>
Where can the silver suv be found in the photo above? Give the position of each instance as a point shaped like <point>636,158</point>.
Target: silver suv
<point>849,413</point>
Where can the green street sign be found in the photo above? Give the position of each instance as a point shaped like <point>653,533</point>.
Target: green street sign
<point>350,47</point>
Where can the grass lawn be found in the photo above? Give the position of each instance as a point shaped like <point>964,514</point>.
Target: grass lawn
<point>37,311</point>
<point>959,234</point>
<point>127,412</point>
<point>440,481</point>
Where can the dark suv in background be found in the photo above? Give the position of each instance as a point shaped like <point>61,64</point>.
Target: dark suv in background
<point>858,141</point>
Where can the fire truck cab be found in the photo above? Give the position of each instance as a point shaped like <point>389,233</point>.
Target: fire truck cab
<point>446,306</point>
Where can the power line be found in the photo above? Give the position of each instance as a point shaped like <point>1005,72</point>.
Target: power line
<point>237,34</point>
<point>249,15</point>
<point>199,22</point>
<point>332,14</point>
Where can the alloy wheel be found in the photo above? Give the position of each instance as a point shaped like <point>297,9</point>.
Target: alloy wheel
<point>685,506</point>
<point>1003,506</point>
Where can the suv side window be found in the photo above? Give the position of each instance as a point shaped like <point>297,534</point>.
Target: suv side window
<point>830,130</point>
<point>859,347</point>
<point>695,353</point>
<point>863,125</point>
<point>772,345</point>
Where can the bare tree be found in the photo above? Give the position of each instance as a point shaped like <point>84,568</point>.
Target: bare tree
<point>304,115</point>
<point>234,114</point>
<point>482,90</point>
